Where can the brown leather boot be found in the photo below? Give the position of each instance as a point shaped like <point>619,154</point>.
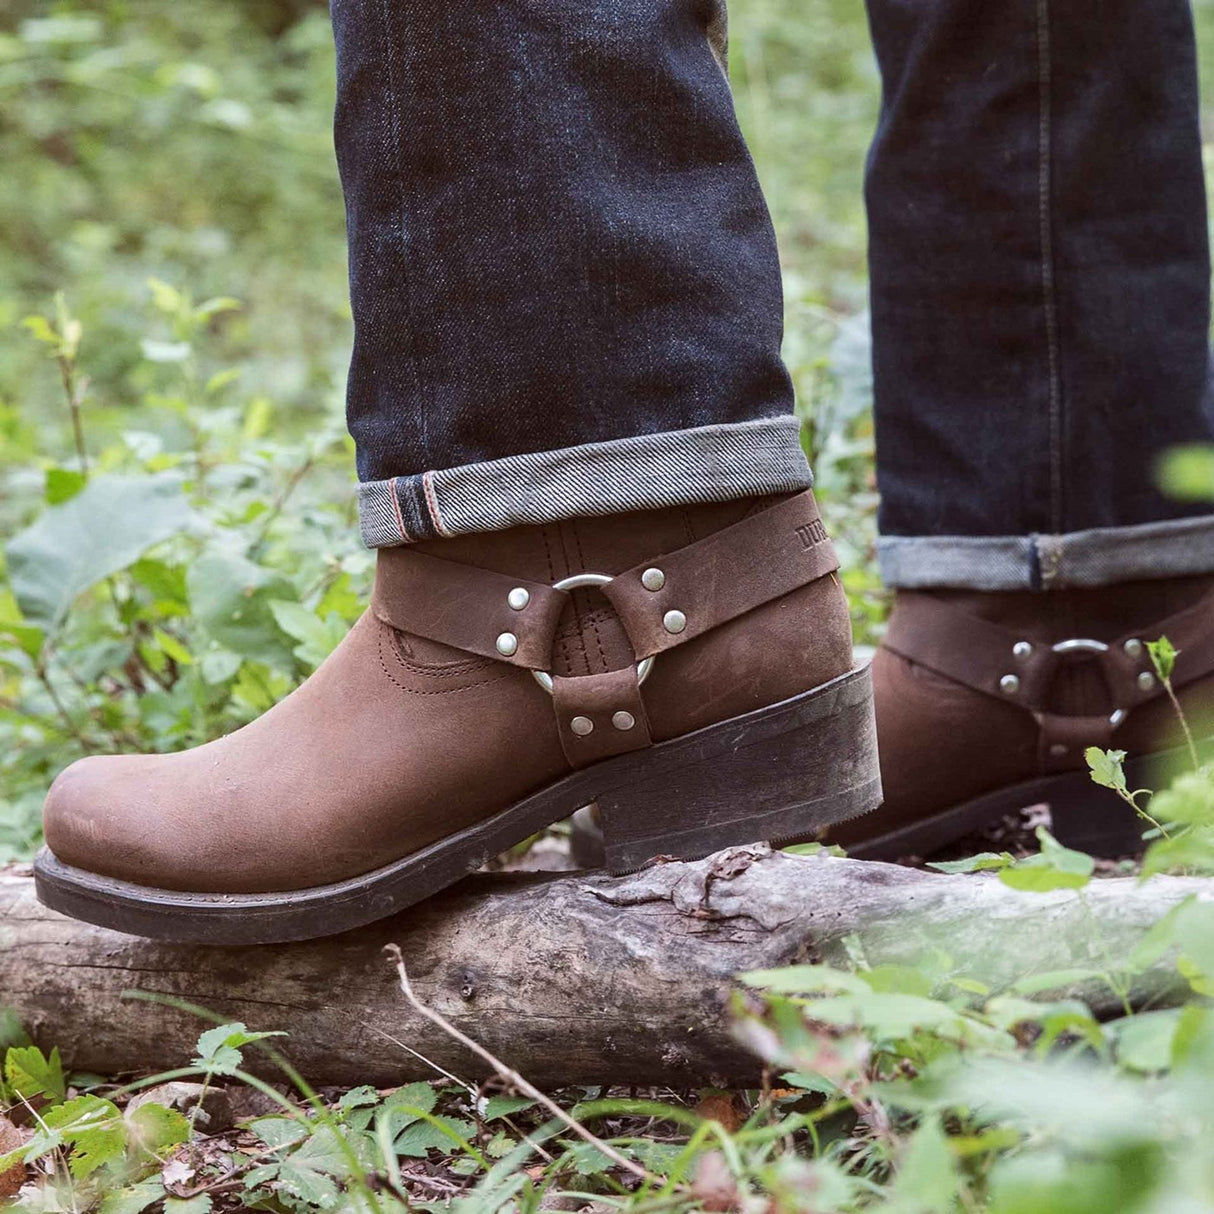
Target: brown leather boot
<point>494,686</point>
<point>987,701</point>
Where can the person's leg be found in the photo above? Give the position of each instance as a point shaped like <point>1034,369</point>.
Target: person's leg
<point>579,463</point>
<point>564,279</point>
<point>1040,305</point>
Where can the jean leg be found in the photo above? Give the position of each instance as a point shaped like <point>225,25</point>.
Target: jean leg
<point>564,278</point>
<point>1040,290</point>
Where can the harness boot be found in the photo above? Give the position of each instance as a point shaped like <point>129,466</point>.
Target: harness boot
<point>986,703</point>
<point>688,670</point>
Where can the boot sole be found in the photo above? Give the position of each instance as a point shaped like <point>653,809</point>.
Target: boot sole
<point>1085,816</point>
<point>777,773</point>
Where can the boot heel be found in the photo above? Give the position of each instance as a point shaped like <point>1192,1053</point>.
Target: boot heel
<point>1095,820</point>
<point>777,773</point>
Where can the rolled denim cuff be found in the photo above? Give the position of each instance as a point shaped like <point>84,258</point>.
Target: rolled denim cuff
<point>1100,557</point>
<point>645,472</point>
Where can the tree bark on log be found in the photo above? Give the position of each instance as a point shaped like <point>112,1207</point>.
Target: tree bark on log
<point>573,978</point>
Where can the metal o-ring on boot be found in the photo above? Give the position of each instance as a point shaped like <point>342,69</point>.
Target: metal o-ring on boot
<point>576,582</point>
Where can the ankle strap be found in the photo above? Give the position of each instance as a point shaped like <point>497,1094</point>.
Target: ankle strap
<point>664,601</point>
<point>989,658</point>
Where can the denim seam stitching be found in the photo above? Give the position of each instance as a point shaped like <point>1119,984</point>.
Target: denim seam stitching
<point>394,57</point>
<point>432,505</point>
<point>394,493</point>
<point>1048,276</point>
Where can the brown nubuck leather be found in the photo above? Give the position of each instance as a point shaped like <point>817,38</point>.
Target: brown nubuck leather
<point>986,703</point>
<point>688,670</point>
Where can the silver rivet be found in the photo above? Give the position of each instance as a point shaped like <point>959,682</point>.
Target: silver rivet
<point>507,644</point>
<point>623,720</point>
<point>653,579</point>
<point>1058,750</point>
<point>518,598</point>
<point>581,726</point>
<point>1133,649</point>
<point>1021,649</point>
<point>1009,684</point>
<point>674,621</point>
<point>1146,681</point>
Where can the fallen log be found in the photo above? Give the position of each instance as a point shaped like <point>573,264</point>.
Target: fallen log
<point>574,978</point>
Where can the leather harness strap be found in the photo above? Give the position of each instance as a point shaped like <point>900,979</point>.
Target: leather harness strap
<point>612,705</point>
<point>723,576</point>
<point>989,658</point>
<point>469,608</point>
<point>663,602</point>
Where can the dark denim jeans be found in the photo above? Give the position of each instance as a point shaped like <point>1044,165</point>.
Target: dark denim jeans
<point>567,298</point>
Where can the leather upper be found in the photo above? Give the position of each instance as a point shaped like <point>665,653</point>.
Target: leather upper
<point>401,738</point>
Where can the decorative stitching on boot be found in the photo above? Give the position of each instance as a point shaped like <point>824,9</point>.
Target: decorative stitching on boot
<point>437,691</point>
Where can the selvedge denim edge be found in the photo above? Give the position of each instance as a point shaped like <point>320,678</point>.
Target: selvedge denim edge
<point>644,472</point>
<point>1103,556</point>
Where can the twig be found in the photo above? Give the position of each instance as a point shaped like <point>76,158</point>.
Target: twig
<point>510,1076</point>
<point>72,728</point>
<point>74,393</point>
<point>1184,724</point>
<point>279,503</point>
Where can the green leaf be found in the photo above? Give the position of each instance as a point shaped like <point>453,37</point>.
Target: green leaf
<point>1188,800</point>
<point>898,979</point>
<point>1054,867</point>
<point>108,525</point>
<point>1187,473</point>
<point>1163,657</point>
<point>1144,1042</point>
<point>505,1106</point>
<point>94,1129</point>
<point>30,1073</point>
<point>171,647</point>
<point>219,1048</point>
<point>133,1199</point>
<point>188,1205</point>
<point>219,665</point>
<point>219,381</point>
<point>62,484</point>
<point>230,597</point>
<point>165,582</point>
<point>166,298</point>
<point>212,307</point>
<point>306,1173</point>
<point>500,1145</point>
<point>410,1102</point>
<point>12,1032</point>
<point>12,624</point>
<point>278,1131</point>
<point>987,861</point>
<point>1106,767</point>
<point>586,1158</point>
<point>318,638</point>
<point>41,329</point>
<point>926,1181</point>
<point>1053,980</point>
<point>358,1098</point>
<point>442,1133</point>
<point>155,1129</point>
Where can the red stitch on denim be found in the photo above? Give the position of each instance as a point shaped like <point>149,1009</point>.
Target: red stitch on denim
<point>432,502</point>
<point>400,522</point>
